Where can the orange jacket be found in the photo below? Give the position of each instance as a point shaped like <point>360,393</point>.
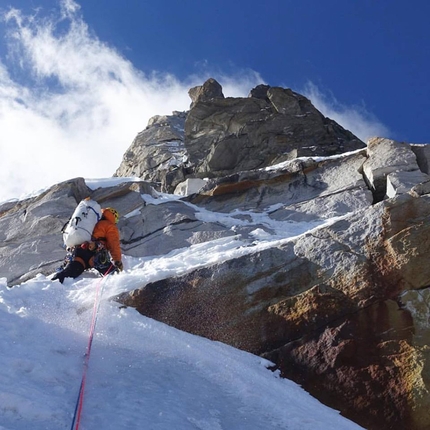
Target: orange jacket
<point>107,231</point>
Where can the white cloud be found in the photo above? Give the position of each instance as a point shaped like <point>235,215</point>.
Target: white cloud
<point>353,118</point>
<point>70,104</point>
<point>82,102</point>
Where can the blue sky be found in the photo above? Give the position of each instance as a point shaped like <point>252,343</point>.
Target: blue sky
<point>69,66</point>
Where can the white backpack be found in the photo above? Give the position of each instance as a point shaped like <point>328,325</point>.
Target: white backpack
<point>80,227</point>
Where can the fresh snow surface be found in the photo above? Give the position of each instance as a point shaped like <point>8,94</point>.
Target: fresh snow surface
<point>142,374</point>
<point>95,183</point>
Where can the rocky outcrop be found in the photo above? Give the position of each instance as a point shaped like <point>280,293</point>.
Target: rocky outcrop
<point>210,90</point>
<point>220,136</point>
<point>30,230</point>
<point>388,158</point>
<point>311,190</point>
<point>335,309</point>
<point>298,190</point>
<point>327,308</point>
<point>160,229</point>
<point>226,135</point>
<point>157,154</point>
<point>367,360</point>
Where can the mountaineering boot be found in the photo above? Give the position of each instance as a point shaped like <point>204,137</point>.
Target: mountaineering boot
<point>59,275</point>
<point>72,270</point>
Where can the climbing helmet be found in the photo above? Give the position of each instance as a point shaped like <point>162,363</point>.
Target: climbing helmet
<point>114,212</point>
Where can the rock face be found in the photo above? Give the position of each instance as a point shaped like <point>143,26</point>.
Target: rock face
<point>228,135</point>
<point>338,310</point>
<point>335,310</point>
<point>342,309</point>
<point>225,135</point>
<point>388,157</point>
<point>158,153</point>
<point>308,189</point>
<point>30,230</point>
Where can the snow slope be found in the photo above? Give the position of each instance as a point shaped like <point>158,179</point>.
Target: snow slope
<point>142,374</point>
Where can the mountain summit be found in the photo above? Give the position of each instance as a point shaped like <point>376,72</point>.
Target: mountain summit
<point>220,136</point>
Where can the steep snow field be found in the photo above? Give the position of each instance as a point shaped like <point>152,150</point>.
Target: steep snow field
<point>142,374</point>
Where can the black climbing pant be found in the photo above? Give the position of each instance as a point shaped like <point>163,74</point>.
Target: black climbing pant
<point>72,270</point>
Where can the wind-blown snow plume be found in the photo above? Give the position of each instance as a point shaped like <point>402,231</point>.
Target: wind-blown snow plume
<point>355,119</point>
<point>72,102</point>
<point>75,102</point>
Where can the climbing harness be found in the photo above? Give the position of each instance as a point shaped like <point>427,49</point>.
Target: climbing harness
<point>102,261</point>
<point>80,400</point>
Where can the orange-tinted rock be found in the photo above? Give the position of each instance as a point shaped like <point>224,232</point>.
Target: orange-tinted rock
<point>328,309</point>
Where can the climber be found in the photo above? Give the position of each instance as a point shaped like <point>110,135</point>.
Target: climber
<point>97,253</point>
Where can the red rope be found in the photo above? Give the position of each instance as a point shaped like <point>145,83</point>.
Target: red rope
<point>80,401</point>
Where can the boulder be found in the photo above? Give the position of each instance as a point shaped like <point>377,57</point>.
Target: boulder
<point>422,153</point>
<point>211,89</point>
<point>386,156</point>
<point>401,182</point>
<point>260,92</point>
<point>190,186</point>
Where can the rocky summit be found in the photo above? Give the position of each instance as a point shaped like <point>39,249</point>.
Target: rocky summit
<point>221,136</point>
<point>342,309</point>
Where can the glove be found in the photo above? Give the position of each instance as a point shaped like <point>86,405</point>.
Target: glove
<point>118,265</point>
